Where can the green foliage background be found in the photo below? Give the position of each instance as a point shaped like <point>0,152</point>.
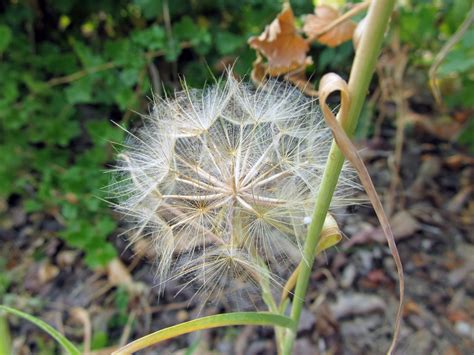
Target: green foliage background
<point>55,133</point>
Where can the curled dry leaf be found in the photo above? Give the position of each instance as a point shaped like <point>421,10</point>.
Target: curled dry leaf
<point>329,84</point>
<point>324,15</point>
<point>358,32</point>
<point>259,71</point>
<point>330,236</point>
<point>281,44</point>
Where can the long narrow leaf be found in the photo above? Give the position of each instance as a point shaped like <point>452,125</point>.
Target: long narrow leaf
<point>66,344</point>
<point>329,84</point>
<point>218,320</point>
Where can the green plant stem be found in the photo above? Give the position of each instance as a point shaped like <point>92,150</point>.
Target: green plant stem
<point>361,74</point>
<point>5,338</point>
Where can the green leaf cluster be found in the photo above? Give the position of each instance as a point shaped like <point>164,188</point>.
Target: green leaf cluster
<point>425,26</point>
<point>69,68</point>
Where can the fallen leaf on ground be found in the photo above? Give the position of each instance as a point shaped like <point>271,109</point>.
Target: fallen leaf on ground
<point>356,304</point>
<point>457,315</point>
<point>118,275</point>
<point>457,161</point>
<point>47,272</point>
<point>281,44</point>
<point>410,307</point>
<point>443,126</point>
<point>457,202</point>
<point>323,16</point>
<point>377,277</point>
<point>66,258</point>
<point>403,226</point>
<point>81,315</point>
<point>457,276</point>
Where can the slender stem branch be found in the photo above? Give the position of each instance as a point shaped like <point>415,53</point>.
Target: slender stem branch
<point>102,67</point>
<point>351,13</point>
<point>361,74</point>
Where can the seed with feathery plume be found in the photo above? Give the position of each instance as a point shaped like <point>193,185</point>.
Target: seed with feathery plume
<point>221,181</point>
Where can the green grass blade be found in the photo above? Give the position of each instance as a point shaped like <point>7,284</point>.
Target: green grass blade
<point>5,339</point>
<point>66,344</point>
<point>218,320</point>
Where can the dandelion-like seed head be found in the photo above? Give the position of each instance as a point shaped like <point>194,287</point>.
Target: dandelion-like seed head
<point>221,181</point>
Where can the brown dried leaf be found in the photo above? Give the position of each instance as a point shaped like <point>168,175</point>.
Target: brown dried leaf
<point>300,80</point>
<point>440,126</point>
<point>324,15</point>
<point>330,236</point>
<point>329,84</point>
<point>47,272</point>
<point>354,304</point>
<point>281,44</point>
<point>119,275</point>
<point>82,316</point>
<point>404,226</point>
<point>259,71</point>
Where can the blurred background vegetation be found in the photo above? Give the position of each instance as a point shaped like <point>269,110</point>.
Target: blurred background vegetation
<point>70,68</point>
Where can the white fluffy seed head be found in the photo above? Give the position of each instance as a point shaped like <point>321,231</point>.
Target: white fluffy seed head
<point>221,181</point>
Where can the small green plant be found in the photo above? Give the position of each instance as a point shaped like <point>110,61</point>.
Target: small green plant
<point>72,73</point>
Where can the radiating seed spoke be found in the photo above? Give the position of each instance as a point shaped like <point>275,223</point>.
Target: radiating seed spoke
<point>202,173</point>
<point>261,180</point>
<point>255,169</point>
<point>264,200</point>
<point>245,204</point>
<point>211,156</point>
<point>199,184</point>
<point>180,214</point>
<point>195,197</point>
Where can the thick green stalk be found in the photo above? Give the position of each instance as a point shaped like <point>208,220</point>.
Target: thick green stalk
<point>360,77</point>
